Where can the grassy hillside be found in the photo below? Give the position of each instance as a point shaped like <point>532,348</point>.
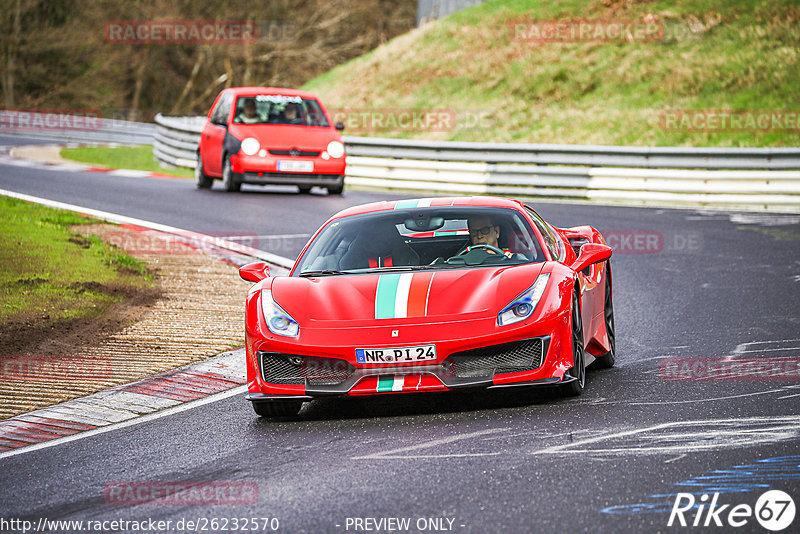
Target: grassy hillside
<point>714,55</point>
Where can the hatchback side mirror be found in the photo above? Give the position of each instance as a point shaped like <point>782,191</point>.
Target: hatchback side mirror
<point>591,253</point>
<point>254,272</point>
<point>339,126</point>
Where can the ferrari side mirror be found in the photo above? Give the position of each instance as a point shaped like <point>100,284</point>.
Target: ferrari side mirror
<point>254,272</point>
<point>590,254</point>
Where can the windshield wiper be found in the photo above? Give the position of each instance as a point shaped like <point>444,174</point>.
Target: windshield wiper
<point>323,272</point>
<point>401,268</point>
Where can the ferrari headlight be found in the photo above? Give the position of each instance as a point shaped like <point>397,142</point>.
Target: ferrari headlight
<point>250,146</point>
<point>278,321</point>
<point>335,149</point>
<point>522,307</point>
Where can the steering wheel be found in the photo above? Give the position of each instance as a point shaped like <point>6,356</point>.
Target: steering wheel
<point>485,246</point>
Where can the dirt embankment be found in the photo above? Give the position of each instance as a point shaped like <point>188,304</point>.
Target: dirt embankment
<point>194,311</point>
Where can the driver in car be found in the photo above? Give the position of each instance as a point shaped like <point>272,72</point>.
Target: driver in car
<point>292,114</point>
<point>483,231</point>
<point>249,115</point>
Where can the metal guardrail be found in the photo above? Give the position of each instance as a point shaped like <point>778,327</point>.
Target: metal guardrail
<point>749,178</point>
<point>591,155</point>
<point>175,140</point>
<point>71,128</point>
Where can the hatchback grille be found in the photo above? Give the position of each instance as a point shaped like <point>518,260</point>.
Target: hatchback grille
<point>487,361</point>
<point>277,368</point>
<point>294,152</point>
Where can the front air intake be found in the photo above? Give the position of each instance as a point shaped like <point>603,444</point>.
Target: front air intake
<point>279,368</point>
<point>485,362</point>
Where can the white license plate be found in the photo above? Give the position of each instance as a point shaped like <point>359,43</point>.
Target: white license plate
<point>420,353</point>
<point>295,166</point>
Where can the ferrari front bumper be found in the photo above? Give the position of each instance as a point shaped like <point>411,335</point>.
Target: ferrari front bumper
<point>298,377</point>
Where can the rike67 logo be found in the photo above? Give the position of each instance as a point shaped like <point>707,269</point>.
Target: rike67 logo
<point>774,510</point>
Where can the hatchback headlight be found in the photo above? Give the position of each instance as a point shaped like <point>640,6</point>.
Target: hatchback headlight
<point>522,307</point>
<point>278,321</point>
<point>250,146</point>
<point>335,149</point>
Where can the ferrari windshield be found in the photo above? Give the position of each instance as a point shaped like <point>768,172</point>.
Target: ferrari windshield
<point>279,109</point>
<point>421,238</point>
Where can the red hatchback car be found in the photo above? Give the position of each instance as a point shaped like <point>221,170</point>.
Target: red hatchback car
<point>270,135</point>
<point>431,294</point>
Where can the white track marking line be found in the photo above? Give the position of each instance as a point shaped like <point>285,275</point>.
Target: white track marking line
<point>269,236</point>
<point>239,390</point>
<point>650,359</point>
<point>743,348</point>
<point>575,447</point>
<point>397,453</point>
<point>768,350</point>
<point>130,173</point>
<point>691,401</point>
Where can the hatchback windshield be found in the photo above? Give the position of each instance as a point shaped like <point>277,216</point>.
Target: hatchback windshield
<point>422,238</point>
<point>279,109</point>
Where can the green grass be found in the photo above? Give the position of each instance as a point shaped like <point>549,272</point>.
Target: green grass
<point>715,55</point>
<point>49,273</point>
<point>138,158</point>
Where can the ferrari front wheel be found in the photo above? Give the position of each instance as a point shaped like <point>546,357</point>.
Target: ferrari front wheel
<point>574,387</point>
<point>277,408</point>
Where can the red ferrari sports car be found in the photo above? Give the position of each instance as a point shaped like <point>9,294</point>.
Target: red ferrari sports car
<point>428,295</point>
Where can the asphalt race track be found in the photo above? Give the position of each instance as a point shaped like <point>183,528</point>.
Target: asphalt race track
<point>689,287</point>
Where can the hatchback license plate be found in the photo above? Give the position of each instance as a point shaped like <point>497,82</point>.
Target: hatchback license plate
<point>295,166</point>
<point>419,353</point>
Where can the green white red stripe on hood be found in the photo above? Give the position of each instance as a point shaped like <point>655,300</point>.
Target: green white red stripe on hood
<point>401,295</point>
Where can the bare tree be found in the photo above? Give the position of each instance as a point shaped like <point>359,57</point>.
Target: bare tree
<point>11,31</point>
<point>56,53</point>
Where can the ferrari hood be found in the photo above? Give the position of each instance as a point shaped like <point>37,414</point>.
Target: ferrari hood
<point>403,296</point>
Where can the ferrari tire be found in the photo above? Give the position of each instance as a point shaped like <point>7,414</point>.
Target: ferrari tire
<point>578,370</point>
<point>277,408</point>
<point>202,180</point>
<point>230,180</point>
<point>606,361</point>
